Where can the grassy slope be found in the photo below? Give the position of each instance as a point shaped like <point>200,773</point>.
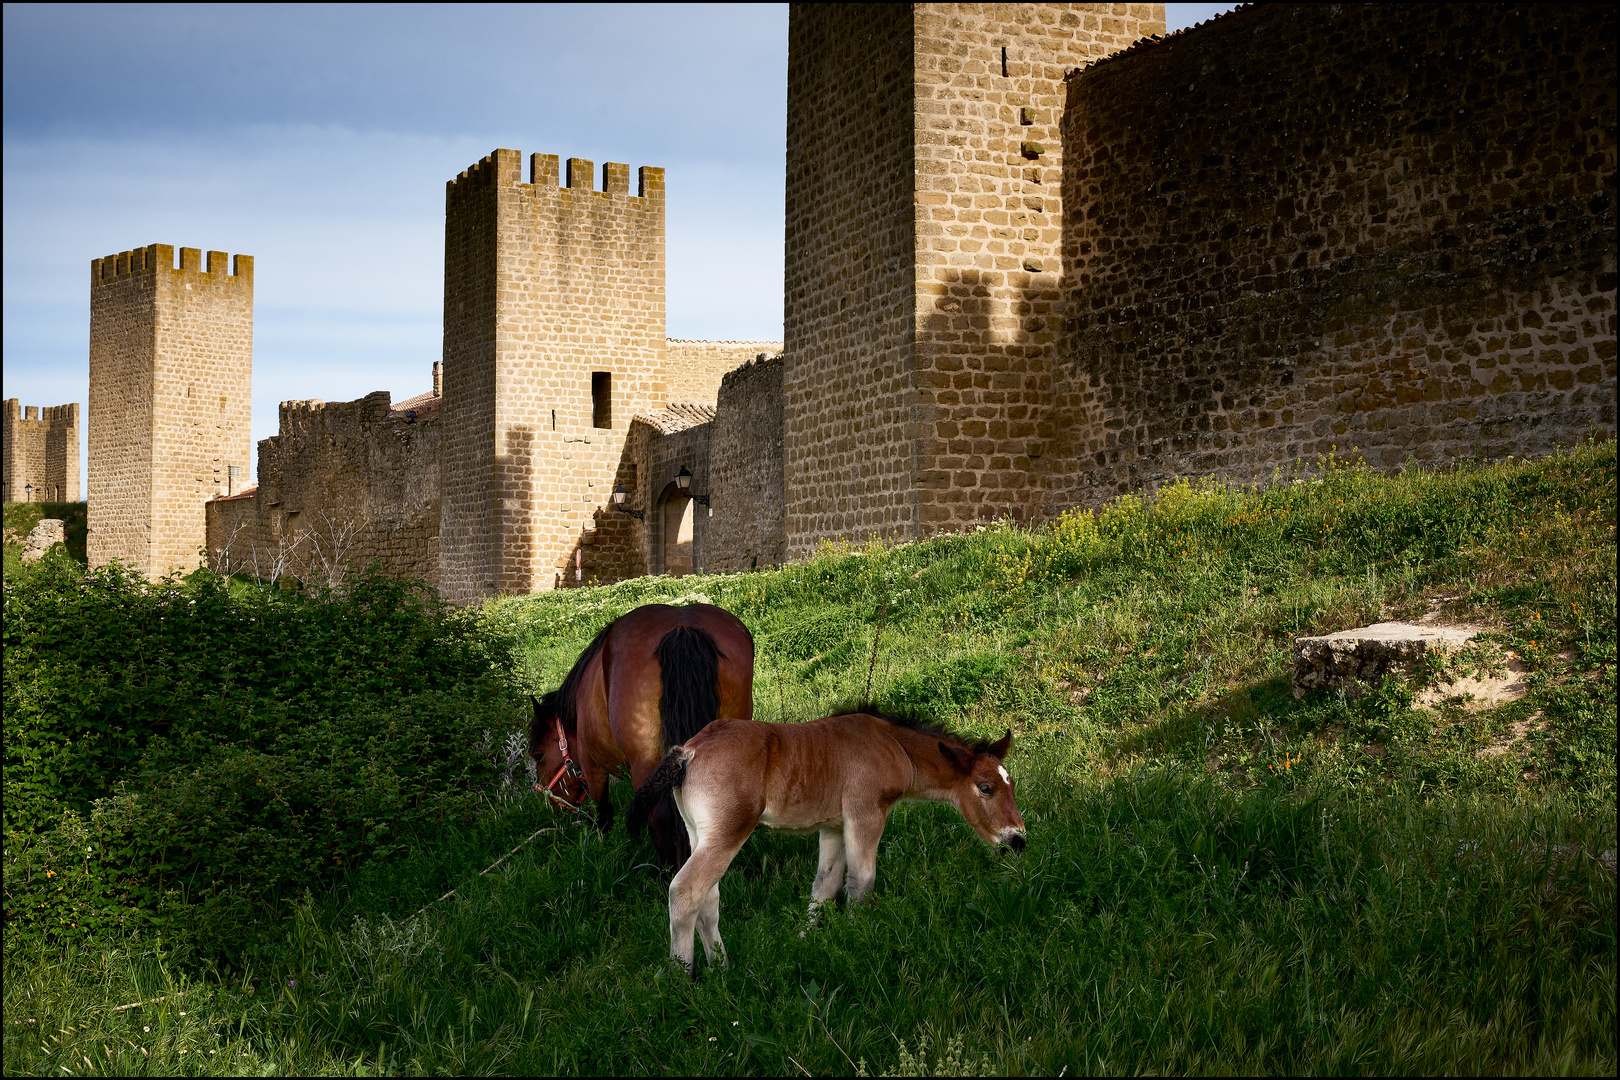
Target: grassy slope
<point>1218,878</point>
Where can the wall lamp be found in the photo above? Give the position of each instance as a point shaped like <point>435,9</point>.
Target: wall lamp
<point>683,480</point>
<point>619,495</point>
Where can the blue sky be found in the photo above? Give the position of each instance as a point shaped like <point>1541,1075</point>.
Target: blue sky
<point>319,139</point>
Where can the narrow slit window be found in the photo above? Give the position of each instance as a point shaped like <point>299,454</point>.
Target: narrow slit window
<point>601,399</point>
<point>1004,61</point>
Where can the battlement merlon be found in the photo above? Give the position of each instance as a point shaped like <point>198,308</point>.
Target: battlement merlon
<point>147,261</point>
<point>55,416</point>
<point>548,171</point>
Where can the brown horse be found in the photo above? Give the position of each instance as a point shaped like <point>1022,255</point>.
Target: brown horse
<point>650,680</point>
<point>839,776</point>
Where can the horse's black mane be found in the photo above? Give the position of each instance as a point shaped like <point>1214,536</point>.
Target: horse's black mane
<point>915,721</point>
<point>561,701</point>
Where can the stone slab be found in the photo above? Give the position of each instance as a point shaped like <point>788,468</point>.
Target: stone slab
<point>1368,652</point>
<point>47,534</point>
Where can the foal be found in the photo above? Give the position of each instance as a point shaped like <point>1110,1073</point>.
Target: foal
<point>839,776</point>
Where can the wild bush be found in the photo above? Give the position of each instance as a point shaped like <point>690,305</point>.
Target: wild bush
<point>183,750</point>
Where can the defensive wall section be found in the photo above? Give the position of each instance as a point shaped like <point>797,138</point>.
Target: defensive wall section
<point>171,363</point>
<point>343,484</point>
<point>848,326</point>
<point>693,370</point>
<point>553,340</point>
<point>988,206</point>
<point>1029,265</point>
<point>748,528</point>
<point>340,484</point>
<point>675,531</point>
<point>923,238</point>
<point>1300,228</point>
<point>41,453</point>
<point>729,517</point>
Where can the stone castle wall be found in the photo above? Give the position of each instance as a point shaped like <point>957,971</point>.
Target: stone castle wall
<point>693,369</point>
<point>988,205</point>
<point>171,362</point>
<point>748,528</point>
<point>848,302</point>
<point>41,453</point>
<point>922,249</point>
<point>544,286</point>
<point>341,484</point>
<point>662,443</point>
<point>1300,228</point>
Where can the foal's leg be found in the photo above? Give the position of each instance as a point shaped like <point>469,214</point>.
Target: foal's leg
<point>694,894</point>
<point>708,926</point>
<point>861,836</point>
<point>829,874</point>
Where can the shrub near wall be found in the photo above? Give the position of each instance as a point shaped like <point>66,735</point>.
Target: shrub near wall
<point>177,755</point>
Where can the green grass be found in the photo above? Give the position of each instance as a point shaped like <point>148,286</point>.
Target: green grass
<point>1218,878</point>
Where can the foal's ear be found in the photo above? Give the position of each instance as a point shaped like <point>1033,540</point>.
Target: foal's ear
<point>959,758</point>
<point>536,703</point>
<point>1001,746</point>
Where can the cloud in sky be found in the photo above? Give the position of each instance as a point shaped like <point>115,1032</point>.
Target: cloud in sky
<point>318,139</point>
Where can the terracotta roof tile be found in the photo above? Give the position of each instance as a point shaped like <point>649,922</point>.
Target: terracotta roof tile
<point>245,493</point>
<point>677,417</point>
<point>419,404</point>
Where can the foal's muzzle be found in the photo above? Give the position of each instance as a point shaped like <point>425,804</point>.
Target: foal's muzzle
<point>1013,839</point>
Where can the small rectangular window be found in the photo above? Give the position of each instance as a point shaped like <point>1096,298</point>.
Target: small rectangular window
<point>601,399</point>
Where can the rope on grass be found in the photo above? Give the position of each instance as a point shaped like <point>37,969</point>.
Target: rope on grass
<point>487,869</point>
<point>154,1001</point>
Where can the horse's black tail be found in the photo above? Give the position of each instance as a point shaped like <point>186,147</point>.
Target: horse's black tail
<point>670,774</point>
<point>690,663</point>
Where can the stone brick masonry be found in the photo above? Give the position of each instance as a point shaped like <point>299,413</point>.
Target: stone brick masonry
<point>341,484</point>
<point>553,340</point>
<point>1388,227</point>
<point>1029,265</point>
<point>41,453</point>
<point>171,362</point>
<point>693,370</point>
<point>923,241</point>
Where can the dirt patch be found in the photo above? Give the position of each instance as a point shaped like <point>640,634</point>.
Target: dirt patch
<point>1483,690</point>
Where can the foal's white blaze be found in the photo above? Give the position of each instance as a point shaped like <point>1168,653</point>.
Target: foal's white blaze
<point>1002,769</point>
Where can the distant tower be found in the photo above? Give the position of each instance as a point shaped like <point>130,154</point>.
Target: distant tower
<point>41,453</point>
<point>553,340</point>
<point>171,370</point>
<point>924,173</point>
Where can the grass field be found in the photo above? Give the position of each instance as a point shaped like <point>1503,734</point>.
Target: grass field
<point>1218,878</point>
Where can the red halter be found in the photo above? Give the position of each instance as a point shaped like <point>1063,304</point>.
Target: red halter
<point>569,767</point>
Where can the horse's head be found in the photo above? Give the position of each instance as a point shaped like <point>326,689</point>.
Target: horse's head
<point>547,735</point>
<point>983,791</point>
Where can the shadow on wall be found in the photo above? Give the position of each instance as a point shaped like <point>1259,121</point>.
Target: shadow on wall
<point>611,546</point>
<point>986,351</point>
<point>517,512</point>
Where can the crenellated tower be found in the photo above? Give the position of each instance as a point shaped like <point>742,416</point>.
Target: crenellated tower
<point>553,340</point>
<point>171,370</point>
<point>41,453</point>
